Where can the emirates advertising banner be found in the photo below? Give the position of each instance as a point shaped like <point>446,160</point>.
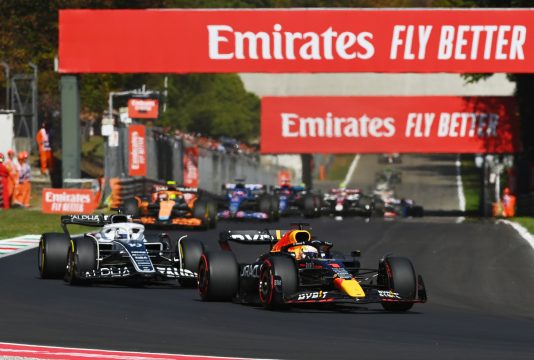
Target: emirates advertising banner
<point>296,40</point>
<point>68,201</point>
<point>137,150</point>
<point>143,108</point>
<point>420,124</point>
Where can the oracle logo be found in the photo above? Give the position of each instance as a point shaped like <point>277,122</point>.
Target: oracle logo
<point>331,126</point>
<point>280,45</point>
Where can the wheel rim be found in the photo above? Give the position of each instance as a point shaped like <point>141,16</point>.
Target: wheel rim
<point>266,285</point>
<point>71,266</point>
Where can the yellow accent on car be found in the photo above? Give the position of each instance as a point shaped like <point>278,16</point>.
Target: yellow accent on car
<point>350,287</point>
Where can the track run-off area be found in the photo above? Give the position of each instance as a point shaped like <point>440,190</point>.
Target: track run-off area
<point>479,277</point>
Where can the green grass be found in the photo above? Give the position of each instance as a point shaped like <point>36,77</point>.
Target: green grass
<point>16,222</point>
<point>527,222</point>
<point>339,168</point>
<point>471,184</point>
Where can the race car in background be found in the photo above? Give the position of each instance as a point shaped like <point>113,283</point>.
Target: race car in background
<point>393,158</point>
<point>387,203</point>
<point>300,271</point>
<point>388,176</point>
<point>344,202</point>
<point>171,205</point>
<point>117,251</point>
<point>298,201</point>
<point>247,201</point>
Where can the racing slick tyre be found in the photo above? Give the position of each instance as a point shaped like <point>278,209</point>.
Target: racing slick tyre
<point>190,251</point>
<point>201,211</point>
<point>81,258</point>
<point>309,209</point>
<point>218,276</point>
<point>416,211</point>
<point>401,279</point>
<point>265,205</point>
<point>53,248</point>
<point>131,207</point>
<point>282,267</point>
<point>275,205</point>
<point>212,212</point>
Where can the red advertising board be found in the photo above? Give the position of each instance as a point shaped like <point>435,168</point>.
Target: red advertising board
<point>191,175</point>
<point>296,40</point>
<point>68,201</point>
<point>137,150</point>
<point>420,124</point>
<point>143,108</point>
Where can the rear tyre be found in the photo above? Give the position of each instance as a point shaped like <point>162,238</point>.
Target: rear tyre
<point>191,251</point>
<point>265,206</point>
<point>401,279</point>
<point>275,205</point>
<point>81,258</point>
<point>308,206</point>
<point>416,211</point>
<point>131,207</point>
<point>212,212</point>
<point>218,276</point>
<point>52,261</point>
<point>200,211</point>
<point>274,267</point>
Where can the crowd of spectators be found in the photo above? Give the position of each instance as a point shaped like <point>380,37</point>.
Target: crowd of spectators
<point>224,144</point>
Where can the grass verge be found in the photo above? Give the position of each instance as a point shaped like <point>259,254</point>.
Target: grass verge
<point>16,222</point>
<point>527,222</point>
<point>339,168</point>
<point>471,184</point>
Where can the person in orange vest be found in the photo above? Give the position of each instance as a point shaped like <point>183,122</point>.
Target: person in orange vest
<point>22,195</point>
<point>508,203</point>
<point>45,151</point>
<point>13,180</point>
<point>4,174</point>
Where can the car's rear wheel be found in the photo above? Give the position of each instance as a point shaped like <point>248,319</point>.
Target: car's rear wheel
<point>398,275</point>
<point>275,205</point>
<point>272,295</point>
<point>218,276</point>
<point>81,259</point>
<point>309,206</point>
<point>265,205</point>
<point>212,212</point>
<point>191,251</point>
<point>201,211</point>
<point>52,261</point>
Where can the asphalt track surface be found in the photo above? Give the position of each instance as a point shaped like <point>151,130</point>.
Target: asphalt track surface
<point>479,276</point>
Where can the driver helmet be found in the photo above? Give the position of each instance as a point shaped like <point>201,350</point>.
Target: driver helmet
<point>304,252</point>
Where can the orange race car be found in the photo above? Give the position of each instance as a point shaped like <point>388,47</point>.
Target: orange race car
<point>170,205</point>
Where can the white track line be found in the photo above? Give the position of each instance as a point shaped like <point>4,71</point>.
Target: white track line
<point>522,231</point>
<point>352,168</point>
<point>460,188</point>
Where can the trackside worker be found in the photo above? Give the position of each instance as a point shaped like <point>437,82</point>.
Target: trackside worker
<point>508,203</point>
<point>45,151</point>
<point>13,180</point>
<point>22,196</point>
<point>4,174</point>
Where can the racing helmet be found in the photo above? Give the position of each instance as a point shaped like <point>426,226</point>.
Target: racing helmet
<point>304,252</point>
<point>121,234</point>
<point>163,196</point>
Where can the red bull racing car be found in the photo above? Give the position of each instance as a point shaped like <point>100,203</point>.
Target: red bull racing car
<point>301,270</point>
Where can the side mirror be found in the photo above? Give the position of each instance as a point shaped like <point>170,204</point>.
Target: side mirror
<point>355,253</point>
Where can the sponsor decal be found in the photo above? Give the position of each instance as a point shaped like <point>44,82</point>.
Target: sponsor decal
<point>173,272</point>
<point>315,295</point>
<point>108,272</point>
<point>137,150</point>
<point>388,294</point>
<point>190,163</point>
<point>294,40</point>
<point>374,124</point>
<point>254,237</point>
<point>143,108</point>
<point>250,271</point>
<point>61,201</point>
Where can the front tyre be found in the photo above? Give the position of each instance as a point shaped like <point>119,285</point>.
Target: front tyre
<point>52,259</point>
<point>398,275</point>
<point>272,295</point>
<point>218,276</point>
<point>81,259</point>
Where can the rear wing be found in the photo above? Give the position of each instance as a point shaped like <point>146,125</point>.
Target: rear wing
<point>252,187</point>
<point>98,220</point>
<point>250,237</point>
